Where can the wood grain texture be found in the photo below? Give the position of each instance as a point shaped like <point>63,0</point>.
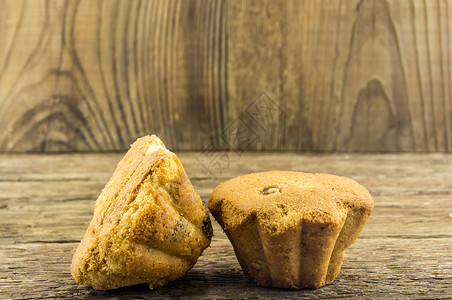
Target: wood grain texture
<point>404,251</point>
<point>369,75</point>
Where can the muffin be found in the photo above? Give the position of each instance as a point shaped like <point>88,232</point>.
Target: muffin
<point>149,224</point>
<point>290,229</point>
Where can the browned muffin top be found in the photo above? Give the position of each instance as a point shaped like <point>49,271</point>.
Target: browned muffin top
<point>280,199</point>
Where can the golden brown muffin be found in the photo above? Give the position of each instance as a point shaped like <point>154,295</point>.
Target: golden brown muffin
<point>149,224</point>
<point>290,229</point>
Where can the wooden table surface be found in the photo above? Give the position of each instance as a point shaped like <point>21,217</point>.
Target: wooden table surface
<point>405,250</point>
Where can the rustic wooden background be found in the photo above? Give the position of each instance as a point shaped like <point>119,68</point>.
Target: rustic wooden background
<point>328,75</point>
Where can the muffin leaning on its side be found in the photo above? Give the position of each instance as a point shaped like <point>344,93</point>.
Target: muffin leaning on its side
<point>149,225</point>
<point>290,229</point>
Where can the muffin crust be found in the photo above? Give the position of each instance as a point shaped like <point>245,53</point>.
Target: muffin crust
<point>149,224</point>
<point>290,229</point>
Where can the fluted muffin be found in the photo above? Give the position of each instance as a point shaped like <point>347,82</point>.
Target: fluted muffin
<point>149,225</point>
<point>290,229</point>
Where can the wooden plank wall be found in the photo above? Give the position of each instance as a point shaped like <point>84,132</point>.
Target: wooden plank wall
<point>327,75</point>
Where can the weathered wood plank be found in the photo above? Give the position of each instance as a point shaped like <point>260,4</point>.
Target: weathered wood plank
<point>83,76</point>
<point>46,203</point>
<point>327,75</point>
<point>373,268</point>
